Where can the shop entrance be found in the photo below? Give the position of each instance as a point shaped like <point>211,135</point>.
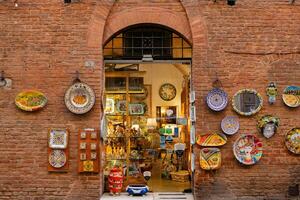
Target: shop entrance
<point>147,110</point>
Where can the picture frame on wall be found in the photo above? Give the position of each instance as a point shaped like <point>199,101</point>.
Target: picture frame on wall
<point>193,113</point>
<point>166,114</point>
<point>192,96</point>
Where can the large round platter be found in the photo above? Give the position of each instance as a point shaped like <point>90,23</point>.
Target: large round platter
<point>291,96</point>
<point>230,125</point>
<point>167,92</point>
<point>80,98</point>
<point>247,149</point>
<point>292,140</point>
<point>216,99</point>
<point>30,100</point>
<point>57,158</point>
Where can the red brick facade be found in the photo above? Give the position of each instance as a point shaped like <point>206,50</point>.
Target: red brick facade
<point>43,43</point>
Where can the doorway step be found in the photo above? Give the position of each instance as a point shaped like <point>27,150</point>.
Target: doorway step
<point>151,196</point>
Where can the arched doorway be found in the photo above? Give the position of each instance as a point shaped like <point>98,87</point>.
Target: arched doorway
<point>147,107</point>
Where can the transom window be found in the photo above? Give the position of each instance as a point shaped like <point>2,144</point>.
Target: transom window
<point>160,43</point>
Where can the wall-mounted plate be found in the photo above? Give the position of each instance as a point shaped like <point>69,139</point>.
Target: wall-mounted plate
<point>292,140</point>
<point>30,100</point>
<point>80,98</point>
<point>217,99</point>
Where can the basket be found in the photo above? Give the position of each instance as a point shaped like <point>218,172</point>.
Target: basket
<point>180,176</point>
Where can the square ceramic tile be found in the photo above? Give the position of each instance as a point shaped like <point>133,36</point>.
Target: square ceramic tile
<point>58,138</point>
<point>83,135</point>
<point>93,146</point>
<point>82,156</point>
<point>82,145</point>
<point>93,155</point>
<point>93,135</point>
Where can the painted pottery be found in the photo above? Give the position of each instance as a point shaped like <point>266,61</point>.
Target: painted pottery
<point>292,140</point>
<point>230,125</point>
<point>212,140</point>
<point>247,149</point>
<point>268,125</point>
<point>30,100</point>
<point>57,158</point>
<point>58,138</point>
<point>210,158</point>
<point>167,92</point>
<point>115,180</point>
<point>271,91</point>
<point>291,96</point>
<point>80,98</point>
<point>217,99</point>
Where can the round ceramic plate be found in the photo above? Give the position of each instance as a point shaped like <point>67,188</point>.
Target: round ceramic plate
<point>30,100</point>
<point>80,98</point>
<point>291,96</point>
<point>230,125</point>
<point>217,99</point>
<point>57,158</point>
<point>167,92</point>
<point>292,140</point>
<point>247,149</point>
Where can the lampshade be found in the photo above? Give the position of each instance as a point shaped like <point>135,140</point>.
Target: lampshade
<point>151,122</point>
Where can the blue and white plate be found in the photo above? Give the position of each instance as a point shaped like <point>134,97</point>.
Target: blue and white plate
<point>230,125</point>
<point>217,99</point>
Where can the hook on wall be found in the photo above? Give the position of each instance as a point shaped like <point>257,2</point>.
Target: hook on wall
<point>217,83</point>
<point>77,75</point>
<point>3,82</point>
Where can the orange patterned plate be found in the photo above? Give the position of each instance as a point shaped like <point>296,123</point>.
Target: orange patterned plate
<point>30,100</point>
<point>212,140</point>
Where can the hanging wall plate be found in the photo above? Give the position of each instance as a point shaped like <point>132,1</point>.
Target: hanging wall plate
<point>80,98</point>
<point>57,158</point>
<point>212,140</point>
<point>217,99</point>
<point>291,96</point>
<point>167,92</point>
<point>230,125</point>
<point>292,140</point>
<point>30,100</point>
<point>247,149</point>
<point>210,158</point>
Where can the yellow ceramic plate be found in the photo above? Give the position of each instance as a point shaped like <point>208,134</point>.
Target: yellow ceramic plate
<point>30,100</point>
<point>291,100</point>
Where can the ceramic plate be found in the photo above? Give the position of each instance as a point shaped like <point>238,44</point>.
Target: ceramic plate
<point>212,140</point>
<point>121,106</point>
<point>247,149</point>
<point>210,158</point>
<point>291,96</point>
<point>80,98</point>
<point>30,100</point>
<point>292,140</point>
<point>216,99</point>
<point>57,158</point>
<point>167,92</point>
<point>230,125</point>
<point>58,139</point>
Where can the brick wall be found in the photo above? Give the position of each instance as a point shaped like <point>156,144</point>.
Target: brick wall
<point>43,43</point>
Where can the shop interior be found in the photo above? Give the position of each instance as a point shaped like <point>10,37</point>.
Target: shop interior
<point>146,124</point>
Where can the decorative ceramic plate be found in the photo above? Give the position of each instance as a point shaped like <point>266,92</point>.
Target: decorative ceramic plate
<point>247,149</point>
<point>57,158</point>
<point>80,98</point>
<point>58,138</point>
<point>216,99</point>
<point>230,125</point>
<point>291,96</point>
<point>109,106</point>
<point>292,140</point>
<point>167,92</point>
<point>30,100</point>
<point>136,108</point>
<point>210,158</point>
<point>88,166</point>
<point>212,140</point>
<point>121,106</point>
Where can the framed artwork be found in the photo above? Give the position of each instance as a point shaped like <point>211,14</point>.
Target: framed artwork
<point>145,97</point>
<point>193,113</point>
